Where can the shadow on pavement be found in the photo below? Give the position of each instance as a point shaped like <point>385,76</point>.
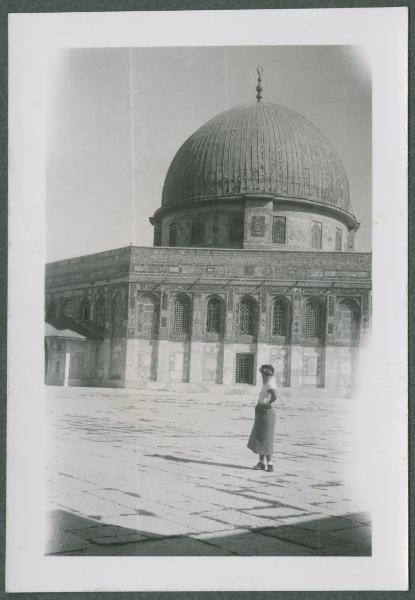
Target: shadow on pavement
<point>199,462</point>
<point>346,535</point>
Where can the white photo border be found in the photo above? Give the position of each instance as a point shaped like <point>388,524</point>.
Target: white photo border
<point>33,38</point>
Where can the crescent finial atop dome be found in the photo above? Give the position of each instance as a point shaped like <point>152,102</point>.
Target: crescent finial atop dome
<point>259,88</point>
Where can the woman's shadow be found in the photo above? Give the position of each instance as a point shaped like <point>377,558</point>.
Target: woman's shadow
<point>199,462</point>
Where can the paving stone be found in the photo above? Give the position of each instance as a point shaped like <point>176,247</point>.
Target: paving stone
<point>195,507</point>
<point>116,497</point>
<point>88,505</point>
<point>101,531</point>
<point>230,500</point>
<point>172,547</point>
<point>152,525</point>
<point>64,542</point>
<point>118,539</point>
<point>253,544</point>
<point>58,519</point>
<point>312,539</point>
<point>193,522</point>
<point>331,524</point>
<point>73,484</point>
<point>275,512</point>
<point>361,535</point>
<point>220,533</point>
<point>238,518</point>
<point>295,520</point>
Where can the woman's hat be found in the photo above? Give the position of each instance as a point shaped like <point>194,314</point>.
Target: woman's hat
<point>267,370</point>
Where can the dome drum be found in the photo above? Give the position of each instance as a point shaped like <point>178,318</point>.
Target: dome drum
<point>197,204</point>
<point>254,223</point>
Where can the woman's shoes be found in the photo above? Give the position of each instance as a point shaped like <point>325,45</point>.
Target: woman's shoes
<point>261,467</point>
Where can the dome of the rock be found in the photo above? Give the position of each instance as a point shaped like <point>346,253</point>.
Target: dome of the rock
<point>262,149</point>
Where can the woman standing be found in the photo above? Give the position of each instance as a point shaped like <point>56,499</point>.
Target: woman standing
<point>261,440</point>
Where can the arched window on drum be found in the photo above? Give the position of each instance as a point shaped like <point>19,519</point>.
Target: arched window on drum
<point>148,311</point>
<point>316,235</point>
<point>69,308</point>
<point>280,317</point>
<point>52,310</point>
<point>197,232</point>
<point>173,234</point>
<point>313,319</point>
<point>181,315</point>
<point>85,311</point>
<point>348,321</point>
<point>214,315</point>
<point>101,312</point>
<point>247,316</point>
<point>339,242</point>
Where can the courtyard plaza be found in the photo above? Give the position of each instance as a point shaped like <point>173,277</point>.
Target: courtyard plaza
<point>147,472</point>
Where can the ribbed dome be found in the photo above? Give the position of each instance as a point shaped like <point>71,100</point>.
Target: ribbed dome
<point>259,149</point>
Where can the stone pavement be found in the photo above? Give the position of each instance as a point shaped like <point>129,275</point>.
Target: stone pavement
<point>156,473</point>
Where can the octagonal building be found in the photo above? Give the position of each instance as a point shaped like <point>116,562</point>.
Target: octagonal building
<point>253,262</point>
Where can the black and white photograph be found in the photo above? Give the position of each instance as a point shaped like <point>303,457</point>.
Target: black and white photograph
<point>210,309</point>
<point>248,304</point>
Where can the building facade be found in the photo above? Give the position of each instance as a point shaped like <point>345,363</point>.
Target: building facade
<point>253,262</point>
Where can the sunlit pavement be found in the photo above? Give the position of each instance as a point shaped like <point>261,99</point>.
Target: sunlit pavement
<point>159,473</point>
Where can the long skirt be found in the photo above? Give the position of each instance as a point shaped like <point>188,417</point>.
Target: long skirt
<point>261,440</point>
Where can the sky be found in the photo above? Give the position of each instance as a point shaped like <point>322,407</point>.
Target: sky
<point>117,118</point>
